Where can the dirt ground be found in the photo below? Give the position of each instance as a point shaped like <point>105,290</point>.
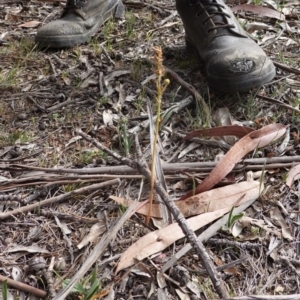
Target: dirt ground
<point>102,89</point>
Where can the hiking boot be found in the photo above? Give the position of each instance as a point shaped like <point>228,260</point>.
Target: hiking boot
<point>233,61</point>
<point>79,21</point>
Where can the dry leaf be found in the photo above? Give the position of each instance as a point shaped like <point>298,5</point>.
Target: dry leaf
<point>108,117</point>
<point>222,117</point>
<point>73,140</point>
<point>188,149</point>
<point>219,262</point>
<point>182,295</point>
<point>259,10</point>
<point>30,24</point>
<point>108,78</point>
<point>277,216</point>
<point>95,232</point>
<point>247,222</point>
<point>236,130</point>
<point>255,139</point>
<point>29,249</point>
<point>293,175</point>
<point>210,201</point>
<point>158,240</point>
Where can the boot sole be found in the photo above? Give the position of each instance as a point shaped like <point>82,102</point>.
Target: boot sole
<point>243,83</point>
<point>74,40</point>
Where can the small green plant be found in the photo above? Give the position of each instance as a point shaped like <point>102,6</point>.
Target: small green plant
<point>206,286</point>
<point>13,137</point>
<point>70,187</point>
<point>23,52</point>
<point>4,290</point>
<point>8,78</point>
<point>232,219</point>
<point>124,139</point>
<point>139,101</point>
<point>94,43</point>
<point>89,156</point>
<point>76,52</point>
<point>257,2</point>
<point>136,70</point>
<point>108,28</point>
<point>203,114</point>
<point>130,24</point>
<point>88,287</point>
<point>122,209</point>
<point>255,230</point>
<point>103,100</point>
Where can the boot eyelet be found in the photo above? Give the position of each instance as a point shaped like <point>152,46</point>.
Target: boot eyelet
<point>198,14</point>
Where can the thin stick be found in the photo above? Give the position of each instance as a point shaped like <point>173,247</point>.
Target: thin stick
<point>23,287</point>
<point>244,165</point>
<point>197,245</point>
<point>81,191</point>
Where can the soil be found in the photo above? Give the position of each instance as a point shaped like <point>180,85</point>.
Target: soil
<point>102,89</point>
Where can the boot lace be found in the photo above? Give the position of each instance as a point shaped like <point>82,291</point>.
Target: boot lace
<point>215,13</point>
<point>75,4</point>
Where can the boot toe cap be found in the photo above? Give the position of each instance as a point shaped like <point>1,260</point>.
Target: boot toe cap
<point>59,31</point>
<point>238,69</point>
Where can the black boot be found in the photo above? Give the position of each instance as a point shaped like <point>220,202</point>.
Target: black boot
<point>233,61</point>
<point>80,20</point>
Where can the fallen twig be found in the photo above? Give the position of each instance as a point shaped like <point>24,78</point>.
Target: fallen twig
<point>205,235</point>
<point>271,100</point>
<point>286,68</point>
<point>81,191</point>
<point>226,266</point>
<point>197,245</point>
<point>23,287</point>
<point>168,168</point>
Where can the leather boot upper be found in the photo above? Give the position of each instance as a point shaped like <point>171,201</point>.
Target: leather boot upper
<point>231,58</point>
<point>80,20</point>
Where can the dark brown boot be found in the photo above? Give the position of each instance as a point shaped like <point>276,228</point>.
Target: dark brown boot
<point>233,61</point>
<point>80,20</point>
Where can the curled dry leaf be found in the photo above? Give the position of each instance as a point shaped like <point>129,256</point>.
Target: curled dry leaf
<point>293,175</point>
<point>210,201</point>
<point>253,140</point>
<point>222,117</point>
<point>95,232</point>
<point>277,216</point>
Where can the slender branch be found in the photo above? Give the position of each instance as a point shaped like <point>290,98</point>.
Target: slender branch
<point>197,245</point>
<point>84,190</point>
<point>23,287</point>
<point>168,168</point>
